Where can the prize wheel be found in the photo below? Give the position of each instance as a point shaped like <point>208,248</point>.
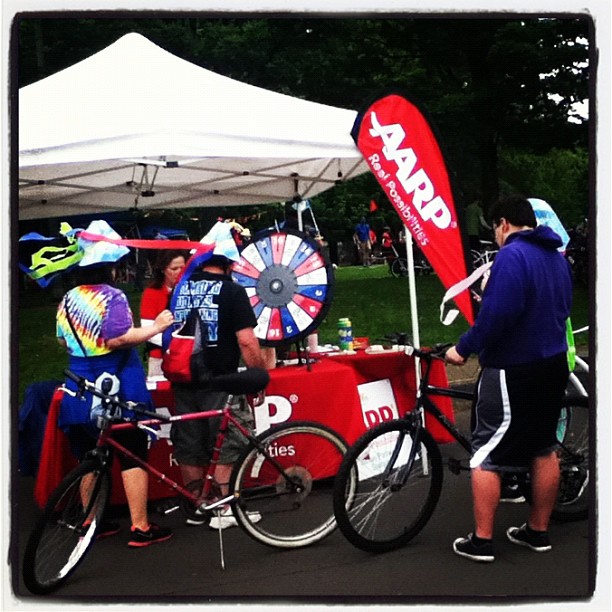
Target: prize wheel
<point>289,281</point>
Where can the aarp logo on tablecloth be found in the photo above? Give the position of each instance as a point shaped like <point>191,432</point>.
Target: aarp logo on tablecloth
<point>377,402</point>
<point>274,410</point>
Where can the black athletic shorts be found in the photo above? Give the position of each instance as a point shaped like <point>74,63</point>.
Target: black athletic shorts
<point>82,439</point>
<point>515,415</point>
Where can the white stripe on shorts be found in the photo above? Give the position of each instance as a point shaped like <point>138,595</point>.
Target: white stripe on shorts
<point>483,452</point>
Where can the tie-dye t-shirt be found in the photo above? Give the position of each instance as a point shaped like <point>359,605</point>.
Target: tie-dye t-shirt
<point>98,313</point>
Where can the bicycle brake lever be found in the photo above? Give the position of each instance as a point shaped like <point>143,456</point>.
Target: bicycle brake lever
<point>152,433</point>
<point>439,350</point>
<point>69,392</point>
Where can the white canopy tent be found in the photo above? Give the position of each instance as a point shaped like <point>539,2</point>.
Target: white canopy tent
<point>135,126</point>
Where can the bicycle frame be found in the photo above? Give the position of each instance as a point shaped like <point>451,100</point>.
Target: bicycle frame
<point>426,405</point>
<point>429,407</point>
<point>200,500</point>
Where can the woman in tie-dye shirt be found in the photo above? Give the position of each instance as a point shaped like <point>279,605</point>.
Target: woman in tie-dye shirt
<point>95,324</point>
<point>98,312</point>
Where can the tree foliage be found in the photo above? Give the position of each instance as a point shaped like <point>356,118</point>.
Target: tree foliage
<point>488,84</point>
<point>560,177</point>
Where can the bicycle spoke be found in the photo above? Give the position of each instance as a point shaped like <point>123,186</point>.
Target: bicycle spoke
<point>573,497</point>
<point>394,494</point>
<point>296,509</point>
<point>66,529</point>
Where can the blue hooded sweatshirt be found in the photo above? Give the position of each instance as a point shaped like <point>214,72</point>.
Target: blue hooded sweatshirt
<point>525,305</point>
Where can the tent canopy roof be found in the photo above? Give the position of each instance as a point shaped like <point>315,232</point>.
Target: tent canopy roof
<point>134,125</point>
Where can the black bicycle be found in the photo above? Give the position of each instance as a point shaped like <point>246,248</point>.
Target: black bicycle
<point>390,480</point>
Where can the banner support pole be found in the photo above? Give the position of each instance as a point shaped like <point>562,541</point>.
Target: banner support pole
<point>414,315</point>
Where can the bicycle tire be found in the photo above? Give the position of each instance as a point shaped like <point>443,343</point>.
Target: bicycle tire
<point>268,508</point>
<point>574,487</point>
<point>377,515</point>
<point>574,484</point>
<point>477,258</point>
<point>399,267</point>
<point>60,539</point>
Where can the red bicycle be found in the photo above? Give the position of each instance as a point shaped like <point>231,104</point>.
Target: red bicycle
<point>281,488</point>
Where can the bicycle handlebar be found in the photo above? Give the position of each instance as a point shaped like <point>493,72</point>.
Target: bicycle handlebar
<point>249,381</point>
<point>437,351</point>
<point>85,385</point>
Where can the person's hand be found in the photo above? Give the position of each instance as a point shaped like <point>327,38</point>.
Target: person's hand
<point>257,400</point>
<point>163,320</point>
<point>453,357</point>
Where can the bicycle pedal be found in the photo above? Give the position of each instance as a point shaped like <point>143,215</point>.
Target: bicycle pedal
<point>455,466</point>
<point>168,506</point>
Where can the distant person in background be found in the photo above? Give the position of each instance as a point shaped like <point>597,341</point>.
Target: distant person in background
<point>475,223</point>
<point>291,220</point>
<point>373,238</point>
<point>363,242</point>
<point>386,243</point>
<point>168,267</point>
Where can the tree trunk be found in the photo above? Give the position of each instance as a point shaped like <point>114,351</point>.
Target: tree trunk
<point>39,48</point>
<point>489,170</point>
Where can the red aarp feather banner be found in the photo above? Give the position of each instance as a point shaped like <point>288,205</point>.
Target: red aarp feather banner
<point>401,149</point>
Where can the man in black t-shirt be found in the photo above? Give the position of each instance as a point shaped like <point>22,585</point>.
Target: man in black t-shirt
<point>227,323</point>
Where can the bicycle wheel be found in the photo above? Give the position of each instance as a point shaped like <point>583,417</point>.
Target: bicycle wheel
<point>477,258</point>
<point>284,498</point>
<point>573,433</point>
<point>387,488</point>
<point>65,531</point>
<point>399,267</point>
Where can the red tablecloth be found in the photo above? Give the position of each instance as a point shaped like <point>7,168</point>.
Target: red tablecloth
<point>372,370</point>
<point>349,393</point>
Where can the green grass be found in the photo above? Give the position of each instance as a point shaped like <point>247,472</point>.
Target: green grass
<point>376,303</point>
<point>379,304</point>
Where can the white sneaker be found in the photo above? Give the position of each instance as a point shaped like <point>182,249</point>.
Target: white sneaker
<point>226,519</point>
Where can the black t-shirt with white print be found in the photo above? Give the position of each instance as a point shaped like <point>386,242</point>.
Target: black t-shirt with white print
<point>224,309</point>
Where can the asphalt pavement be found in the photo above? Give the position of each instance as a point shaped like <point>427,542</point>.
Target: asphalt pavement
<point>187,570</point>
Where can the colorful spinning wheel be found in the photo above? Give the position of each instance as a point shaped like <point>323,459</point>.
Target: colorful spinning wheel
<point>289,281</point>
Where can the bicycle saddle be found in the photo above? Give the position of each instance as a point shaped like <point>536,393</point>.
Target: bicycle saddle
<point>251,380</point>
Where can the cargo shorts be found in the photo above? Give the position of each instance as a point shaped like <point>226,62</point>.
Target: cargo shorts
<point>193,441</point>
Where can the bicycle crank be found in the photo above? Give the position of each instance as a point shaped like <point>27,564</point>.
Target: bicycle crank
<point>296,482</point>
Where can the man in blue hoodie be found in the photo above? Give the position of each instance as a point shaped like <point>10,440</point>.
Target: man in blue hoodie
<point>519,336</point>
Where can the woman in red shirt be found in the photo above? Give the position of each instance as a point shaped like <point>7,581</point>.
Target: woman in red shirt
<point>168,267</point>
